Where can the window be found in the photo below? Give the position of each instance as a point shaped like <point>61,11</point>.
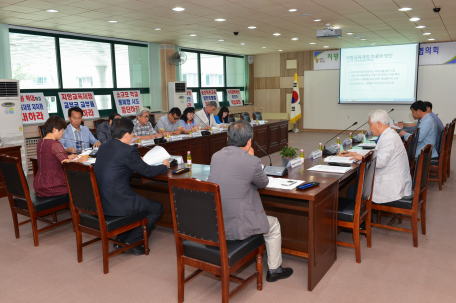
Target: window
<point>212,70</point>
<point>103,102</point>
<point>132,66</point>
<point>83,59</point>
<point>51,104</point>
<point>33,61</point>
<point>235,72</point>
<point>190,70</point>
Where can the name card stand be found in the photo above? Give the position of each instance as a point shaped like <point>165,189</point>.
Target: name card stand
<point>196,134</point>
<point>361,136</point>
<point>315,154</point>
<point>293,163</point>
<point>347,141</point>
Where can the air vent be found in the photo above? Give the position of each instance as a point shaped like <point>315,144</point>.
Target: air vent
<point>179,87</point>
<point>9,89</point>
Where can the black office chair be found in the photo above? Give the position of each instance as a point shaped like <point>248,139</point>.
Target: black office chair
<point>199,232</point>
<point>246,117</point>
<point>43,133</point>
<point>29,204</point>
<point>257,116</point>
<point>231,118</point>
<point>96,123</point>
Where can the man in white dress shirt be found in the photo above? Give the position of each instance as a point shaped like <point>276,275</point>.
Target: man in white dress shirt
<point>205,117</point>
<point>392,171</point>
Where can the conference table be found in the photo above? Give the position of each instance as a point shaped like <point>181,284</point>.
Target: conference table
<point>308,218</point>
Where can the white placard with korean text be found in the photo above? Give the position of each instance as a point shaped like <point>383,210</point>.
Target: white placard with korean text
<point>189,99</point>
<point>234,97</point>
<point>208,95</point>
<point>34,108</point>
<point>327,60</point>
<point>84,100</point>
<point>127,102</point>
<point>437,53</point>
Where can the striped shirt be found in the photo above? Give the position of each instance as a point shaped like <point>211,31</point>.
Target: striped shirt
<point>140,130</point>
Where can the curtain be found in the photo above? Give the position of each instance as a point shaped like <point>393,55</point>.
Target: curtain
<point>5,55</point>
<point>155,77</point>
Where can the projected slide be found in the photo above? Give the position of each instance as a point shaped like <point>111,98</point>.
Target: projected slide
<point>381,74</point>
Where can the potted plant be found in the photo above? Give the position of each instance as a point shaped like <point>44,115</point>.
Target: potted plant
<point>288,153</point>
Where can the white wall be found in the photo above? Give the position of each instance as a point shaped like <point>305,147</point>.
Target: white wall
<point>436,83</point>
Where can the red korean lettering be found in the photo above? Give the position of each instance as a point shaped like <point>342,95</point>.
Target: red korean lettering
<point>123,110</point>
<point>32,116</point>
<point>27,97</point>
<point>22,98</point>
<point>75,96</point>
<point>84,96</point>
<point>64,97</point>
<point>89,96</point>
<point>69,97</point>
<point>90,112</point>
<point>32,98</point>
<point>24,117</point>
<point>39,116</point>
<point>122,94</point>
<point>85,112</point>
<point>118,95</point>
<point>136,94</point>
<point>80,96</point>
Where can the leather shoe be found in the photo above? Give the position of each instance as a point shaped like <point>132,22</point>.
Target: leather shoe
<point>274,277</point>
<point>137,250</point>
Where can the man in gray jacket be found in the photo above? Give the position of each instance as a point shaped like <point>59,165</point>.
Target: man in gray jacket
<point>104,129</point>
<point>239,174</point>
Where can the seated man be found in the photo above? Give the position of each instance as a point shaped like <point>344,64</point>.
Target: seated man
<point>77,135</point>
<point>428,128</point>
<point>116,162</point>
<point>392,170</point>
<point>104,129</point>
<point>205,117</point>
<point>439,122</point>
<point>143,128</point>
<point>238,173</point>
<point>170,124</point>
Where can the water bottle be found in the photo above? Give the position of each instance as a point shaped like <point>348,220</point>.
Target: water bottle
<point>362,131</point>
<point>210,130</point>
<point>351,137</point>
<point>167,137</point>
<point>139,142</point>
<point>320,147</point>
<point>338,142</point>
<point>82,146</point>
<point>189,159</point>
<point>190,133</point>
<point>302,156</point>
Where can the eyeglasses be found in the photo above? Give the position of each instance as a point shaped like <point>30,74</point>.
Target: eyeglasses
<point>175,118</point>
<point>146,117</point>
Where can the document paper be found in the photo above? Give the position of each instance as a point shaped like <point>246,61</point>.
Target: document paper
<point>330,169</point>
<point>156,156</point>
<point>281,183</point>
<point>338,159</point>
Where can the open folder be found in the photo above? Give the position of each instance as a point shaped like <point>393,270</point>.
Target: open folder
<point>156,156</point>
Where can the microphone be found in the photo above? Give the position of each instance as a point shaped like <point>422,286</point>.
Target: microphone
<point>368,122</point>
<point>162,139</point>
<point>203,132</point>
<point>332,152</point>
<point>270,161</point>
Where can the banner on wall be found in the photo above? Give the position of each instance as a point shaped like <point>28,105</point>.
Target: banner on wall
<point>189,98</point>
<point>234,97</point>
<point>208,95</point>
<point>84,100</point>
<point>327,60</point>
<point>34,108</point>
<point>127,102</point>
<point>437,53</point>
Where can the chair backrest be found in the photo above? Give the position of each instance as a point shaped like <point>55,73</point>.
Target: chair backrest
<point>257,116</point>
<point>408,144</point>
<point>83,189</point>
<point>422,169</point>
<point>442,142</point>
<point>43,133</point>
<point>365,183</point>
<point>245,116</point>
<point>96,123</point>
<point>450,137</point>
<point>415,141</point>
<point>14,178</point>
<point>197,212</point>
<point>231,118</point>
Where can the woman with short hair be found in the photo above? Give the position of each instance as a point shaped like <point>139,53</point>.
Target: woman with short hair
<point>187,120</point>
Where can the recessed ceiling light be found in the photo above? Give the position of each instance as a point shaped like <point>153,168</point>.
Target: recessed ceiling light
<point>306,14</point>
<point>221,40</point>
<point>112,21</point>
<point>317,20</point>
<point>219,20</point>
<point>326,46</point>
<point>431,39</point>
<point>294,38</point>
<point>404,9</point>
<point>252,27</point>
<point>312,43</point>
<point>52,11</point>
<point>242,43</point>
<point>414,19</point>
<point>192,35</point>
<point>264,47</point>
<point>426,34</point>
<point>292,10</point>
<point>372,43</point>
<point>158,29</point>
<point>178,9</point>
<point>349,33</point>
<point>276,34</point>
<point>280,50</point>
<point>420,26</point>
<point>357,36</point>
<point>364,39</point>
<point>336,27</point>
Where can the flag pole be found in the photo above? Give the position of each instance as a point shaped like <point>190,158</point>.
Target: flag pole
<point>296,129</point>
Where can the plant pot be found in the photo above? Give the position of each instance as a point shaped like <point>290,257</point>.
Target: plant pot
<point>285,161</point>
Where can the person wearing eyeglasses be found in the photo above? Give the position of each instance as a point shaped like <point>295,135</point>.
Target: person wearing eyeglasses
<point>170,124</point>
<point>143,129</point>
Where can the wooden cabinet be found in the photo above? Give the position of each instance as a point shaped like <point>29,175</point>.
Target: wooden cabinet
<point>15,151</point>
<point>260,135</point>
<point>217,142</point>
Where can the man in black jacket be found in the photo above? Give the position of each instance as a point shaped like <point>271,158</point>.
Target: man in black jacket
<point>116,162</point>
<point>104,129</point>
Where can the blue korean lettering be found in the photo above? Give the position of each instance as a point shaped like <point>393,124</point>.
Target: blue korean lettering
<point>128,101</point>
<point>28,107</point>
<point>91,104</point>
<point>76,104</point>
<point>421,51</point>
<point>71,104</point>
<point>66,104</point>
<point>435,49</point>
<point>82,104</point>
<point>428,50</point>
<point>120,101</point>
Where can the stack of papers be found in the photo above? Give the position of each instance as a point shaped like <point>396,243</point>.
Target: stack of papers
<point>156,156</point>
<point>373,138</point>
<point>368,145</point>
<point>338,159</point>
<point>361,152</point>
<point>331,169</point>
<point>281,183</point>
<point>90,161</point>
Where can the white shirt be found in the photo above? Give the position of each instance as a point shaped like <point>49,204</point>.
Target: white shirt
<point>202,121</point>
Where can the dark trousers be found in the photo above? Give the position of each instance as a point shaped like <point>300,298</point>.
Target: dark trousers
<point>154,211</point>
